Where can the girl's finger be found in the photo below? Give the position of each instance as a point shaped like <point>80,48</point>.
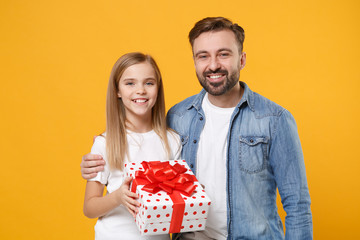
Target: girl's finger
<point>131,212</point>
<point>127,181</point>
<point>132,202</point>
<point>132,208</point>
<point>132,194</point>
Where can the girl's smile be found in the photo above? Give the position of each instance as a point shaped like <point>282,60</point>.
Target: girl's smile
<point>140,100</point>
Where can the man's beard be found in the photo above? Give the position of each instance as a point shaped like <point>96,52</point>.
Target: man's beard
<point>219,88</point>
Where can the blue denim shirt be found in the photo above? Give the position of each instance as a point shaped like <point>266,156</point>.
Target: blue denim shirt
<point>264,153</point>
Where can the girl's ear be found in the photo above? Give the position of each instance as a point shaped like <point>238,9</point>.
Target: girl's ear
<point>118,94</point>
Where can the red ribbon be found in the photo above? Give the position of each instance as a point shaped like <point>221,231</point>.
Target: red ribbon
<point>171,179</point>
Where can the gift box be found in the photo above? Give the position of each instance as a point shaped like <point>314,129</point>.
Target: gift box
<point>171,198</point>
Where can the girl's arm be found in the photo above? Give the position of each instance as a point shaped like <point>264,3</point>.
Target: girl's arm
<point>97,205</point>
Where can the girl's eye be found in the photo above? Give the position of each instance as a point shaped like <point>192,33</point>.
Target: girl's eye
<point>150,83</point>
<point>129,83</point>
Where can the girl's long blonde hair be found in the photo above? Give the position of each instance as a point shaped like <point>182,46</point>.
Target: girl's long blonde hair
<point>116,142</point>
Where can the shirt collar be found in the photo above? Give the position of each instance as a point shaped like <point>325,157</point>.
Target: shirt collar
<point>248,97</point>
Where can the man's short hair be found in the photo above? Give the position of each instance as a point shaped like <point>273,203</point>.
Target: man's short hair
<point>214,24</point>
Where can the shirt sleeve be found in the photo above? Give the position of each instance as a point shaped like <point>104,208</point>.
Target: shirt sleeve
<point>99,147</point>
<point>287,161</point>
<point>175,145</point>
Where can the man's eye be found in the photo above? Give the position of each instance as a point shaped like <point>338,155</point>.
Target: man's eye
<point>224,54</point>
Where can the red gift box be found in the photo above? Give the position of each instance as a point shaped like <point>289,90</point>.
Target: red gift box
<point>171,198</point>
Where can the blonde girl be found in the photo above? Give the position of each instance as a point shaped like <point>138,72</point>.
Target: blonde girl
<point>135,130</point>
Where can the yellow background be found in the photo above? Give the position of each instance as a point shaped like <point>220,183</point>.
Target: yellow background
<point>56,57</point>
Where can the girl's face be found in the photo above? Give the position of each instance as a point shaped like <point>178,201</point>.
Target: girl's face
<point>138,89</point>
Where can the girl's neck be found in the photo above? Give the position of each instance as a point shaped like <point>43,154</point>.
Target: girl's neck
<point>139,125</point>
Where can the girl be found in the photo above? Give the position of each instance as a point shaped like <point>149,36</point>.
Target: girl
<point>135,130</point>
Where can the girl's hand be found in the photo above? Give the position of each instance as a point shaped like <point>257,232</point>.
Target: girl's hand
<point>127,198</point>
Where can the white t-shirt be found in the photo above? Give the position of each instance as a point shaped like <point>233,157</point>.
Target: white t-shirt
<point>118,223</point>
<point>211,169</point>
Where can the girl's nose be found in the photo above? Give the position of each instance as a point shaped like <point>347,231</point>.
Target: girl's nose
<point>140,90</point>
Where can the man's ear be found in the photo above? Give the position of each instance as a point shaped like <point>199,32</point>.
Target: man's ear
<point>242,60</point>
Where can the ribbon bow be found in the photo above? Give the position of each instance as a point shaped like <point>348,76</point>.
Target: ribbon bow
<point>163,176</point>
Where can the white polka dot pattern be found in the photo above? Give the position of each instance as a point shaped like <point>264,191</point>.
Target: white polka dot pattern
<point>155,212</point>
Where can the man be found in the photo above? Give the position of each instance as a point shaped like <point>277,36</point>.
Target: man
<point>240,145</point>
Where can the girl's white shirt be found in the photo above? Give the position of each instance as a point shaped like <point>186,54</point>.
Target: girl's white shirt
<point>118,223</point>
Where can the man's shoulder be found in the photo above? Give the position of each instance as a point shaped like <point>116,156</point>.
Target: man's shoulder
<point>179,117</point>
<point>263,106</point>
<point>182,106</point>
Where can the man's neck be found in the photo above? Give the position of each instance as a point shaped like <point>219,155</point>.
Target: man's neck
<point>229,99</point>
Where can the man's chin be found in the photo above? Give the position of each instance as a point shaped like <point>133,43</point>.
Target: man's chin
<point>215,91</point>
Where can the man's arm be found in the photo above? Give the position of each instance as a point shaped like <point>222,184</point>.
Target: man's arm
<point>90,165</point>
<point>287,160</point>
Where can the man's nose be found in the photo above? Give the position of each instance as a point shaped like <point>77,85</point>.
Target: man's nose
<point>214,64</point>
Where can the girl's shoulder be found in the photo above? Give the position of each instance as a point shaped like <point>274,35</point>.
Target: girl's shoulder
<point>100,139</point>
<point>172,135</point>
<point>99,143</point>
<point>175,144</point>
<point>173,138</point>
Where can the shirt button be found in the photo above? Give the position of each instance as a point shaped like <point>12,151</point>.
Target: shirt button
<point>191,165</point>
<point>201,118</point>
<point>195,141</point>
<point>182,139</point>
<point>251,140</point>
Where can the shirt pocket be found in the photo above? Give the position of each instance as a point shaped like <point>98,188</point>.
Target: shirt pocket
<point>253,153</point>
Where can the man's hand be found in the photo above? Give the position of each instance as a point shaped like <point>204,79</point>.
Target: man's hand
<point>90,165</point>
